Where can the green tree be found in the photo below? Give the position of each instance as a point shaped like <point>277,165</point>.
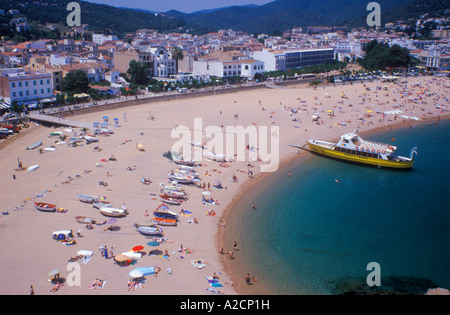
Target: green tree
<point>177,54</point>
<point>76,82</point>
<point>381,55</point>
<point>137,73</point>
<point>16,107</point>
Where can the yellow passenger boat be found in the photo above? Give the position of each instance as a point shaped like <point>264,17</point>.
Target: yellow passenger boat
<point>352,148</point>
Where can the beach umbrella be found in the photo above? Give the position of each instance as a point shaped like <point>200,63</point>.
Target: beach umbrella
<point>138,248</point>
<point>136,274</point>
<point>121,258</point>
<point>54,272</point>
<point>216,182</point>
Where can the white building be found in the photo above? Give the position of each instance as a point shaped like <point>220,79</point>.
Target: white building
<point>189,77</point>
<point>242,68</point>
<point>59,60</point>
<point>279,60</point>
<point>163,63</point>
<point>21,85</point>
<point>99,39</point>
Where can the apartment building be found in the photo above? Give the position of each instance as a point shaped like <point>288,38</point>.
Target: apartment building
<point>242,68</point>
<point>18,84</point>
<point>279,60</point>
<point>158,60</point>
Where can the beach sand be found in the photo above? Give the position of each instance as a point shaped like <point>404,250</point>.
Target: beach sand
<point>26,234</point>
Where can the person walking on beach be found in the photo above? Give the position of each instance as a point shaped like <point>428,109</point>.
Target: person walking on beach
<point>102,249</point>
<point>247,279</point>
<point>31,290</point>
<point>235,245</point>
<point>254,206</point>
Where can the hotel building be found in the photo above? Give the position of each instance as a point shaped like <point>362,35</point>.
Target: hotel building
<point>280,60</point>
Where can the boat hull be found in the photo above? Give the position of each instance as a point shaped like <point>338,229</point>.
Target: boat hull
<point>167,222</point>
<point>87,198</point>
<point>112,212</point>
<point>145,230</point>
<point>359,159</point>
<point>45,207</point>
<point>85,220</point>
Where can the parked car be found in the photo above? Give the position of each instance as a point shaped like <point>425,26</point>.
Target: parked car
<point>14,128</point>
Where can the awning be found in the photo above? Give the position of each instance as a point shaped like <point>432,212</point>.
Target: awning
<point>5,105</point>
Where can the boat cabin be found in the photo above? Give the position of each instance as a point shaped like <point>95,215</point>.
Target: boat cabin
<point>352,143</point>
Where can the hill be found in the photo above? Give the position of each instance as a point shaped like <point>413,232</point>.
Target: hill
<point>280,15</point>
<point>284,14</point>
<point>100,17</point>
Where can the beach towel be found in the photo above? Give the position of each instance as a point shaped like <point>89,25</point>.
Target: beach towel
<point>198,263</point>
<point>214,291</point>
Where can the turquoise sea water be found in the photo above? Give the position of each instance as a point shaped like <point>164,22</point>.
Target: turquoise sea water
<point>310,233</point>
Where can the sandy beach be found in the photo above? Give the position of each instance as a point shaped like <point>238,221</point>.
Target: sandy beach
<point>26,234</point>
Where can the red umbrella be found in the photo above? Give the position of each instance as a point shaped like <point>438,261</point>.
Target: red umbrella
<point>137,248</point>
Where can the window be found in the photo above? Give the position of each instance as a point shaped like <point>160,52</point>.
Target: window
<point>13,85</point>
<point>41,82</point>
<point>27,92</point>
<point>48,81</point>
<point>20,84</point>
<point>26,83</point>
<point>34,82</point>
<point>35,92</point>
<point>14,94</point>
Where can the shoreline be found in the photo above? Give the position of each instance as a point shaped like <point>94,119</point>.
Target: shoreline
<point>156,143</point>
<point>263,180</point>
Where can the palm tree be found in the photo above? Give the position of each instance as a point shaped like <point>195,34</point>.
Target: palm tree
<point>177,54</point>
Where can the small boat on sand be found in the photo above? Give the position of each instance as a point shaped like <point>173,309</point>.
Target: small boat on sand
<point>90,139</point>
<point>180,178</point>
<point>85,220</point>
<point>87,198</point>
<point>174,194</point>
<point>214,156</point>
<point>167,222</point>
<point>35,145</point>
<point>101,204</point>
<point>165,214</point>
<point>148,230</point>
<point>46,207</point>
<point>181,161</point>
<point>171,200</point>
<point>113,212</point>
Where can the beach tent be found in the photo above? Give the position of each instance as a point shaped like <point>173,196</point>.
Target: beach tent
<point>136,274</point>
